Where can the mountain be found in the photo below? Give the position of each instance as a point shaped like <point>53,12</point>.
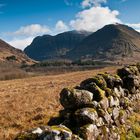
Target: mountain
<point>53,47</point>
<point>11,54</point>
<point>110,43</point>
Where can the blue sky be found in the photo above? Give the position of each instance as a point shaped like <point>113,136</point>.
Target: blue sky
<point>22,20</point>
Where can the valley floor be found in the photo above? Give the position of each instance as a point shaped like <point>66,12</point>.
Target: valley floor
<point>30,102</point>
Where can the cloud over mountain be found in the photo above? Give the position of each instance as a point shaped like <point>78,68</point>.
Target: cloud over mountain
<point>31,30</point>
<point>60,27</point>
<point>94,18</point>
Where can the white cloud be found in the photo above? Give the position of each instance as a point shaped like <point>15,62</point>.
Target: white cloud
<point>60,27</point>
<point>94,18</point>
<point>31,30</point>
<point>136,25</point>
<point>21,43</point>
<point>25,34</point>
<point>90,3</point>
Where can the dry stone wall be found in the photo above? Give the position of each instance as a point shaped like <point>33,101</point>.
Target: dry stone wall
<point>96,109</point>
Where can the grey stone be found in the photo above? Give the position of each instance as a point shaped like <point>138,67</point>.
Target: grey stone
<point>75,98</point>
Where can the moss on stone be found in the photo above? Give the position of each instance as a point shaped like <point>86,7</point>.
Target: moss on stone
<point>98,93</point>
<point>121,113</point>
<point>110,110</point>
<point>136,129</point>
<point>98,80</point>
<point>123,133</point>
<point>60,128</point>
<point>108,92</point>
<point>112,80</point>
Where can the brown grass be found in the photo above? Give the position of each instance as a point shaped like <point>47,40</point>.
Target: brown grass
<point>11,71</point>
<point>30,102</point>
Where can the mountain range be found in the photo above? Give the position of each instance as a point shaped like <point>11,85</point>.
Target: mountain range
<point>114,41</point>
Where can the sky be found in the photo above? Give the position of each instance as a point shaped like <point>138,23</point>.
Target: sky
<point>22,20</point>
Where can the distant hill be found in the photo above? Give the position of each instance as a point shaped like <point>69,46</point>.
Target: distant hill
<point>13,55</point>
<point>111,42</point>
<point>53,47</point>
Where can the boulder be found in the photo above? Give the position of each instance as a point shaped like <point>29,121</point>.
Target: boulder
<point>104,133</point>
<point>75,98</point>
<point>85,116</point>
<point>98,93</point>
<point>99,122</point>
<point>115,113</point>
<point>65,114</point>
<point>119,92</point>
<point>128,70</point>
<point>105,115</point>
<point>104,103</point>
<point>59,132</point>
<point>98,80</point>
<point>113,101</point>
<point>122,116</point>
<point>125,103</point>
<point>89,132</point>
<point>107,118</point>
<point>112,80</point>
<point>114,133</point>
<point>109,92</point>
<point>132,83</point>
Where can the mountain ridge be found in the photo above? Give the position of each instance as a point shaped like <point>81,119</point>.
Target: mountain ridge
<point>50,47</point>
<point>112,42</point>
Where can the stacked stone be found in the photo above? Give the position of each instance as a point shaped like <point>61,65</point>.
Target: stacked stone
<point>96,109</point>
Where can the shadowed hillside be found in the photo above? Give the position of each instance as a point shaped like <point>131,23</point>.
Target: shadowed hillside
<point>112,42</point>
<point>53,47</point>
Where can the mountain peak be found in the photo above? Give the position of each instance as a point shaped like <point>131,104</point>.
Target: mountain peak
<point>111,42</point>
<point>54,47</point>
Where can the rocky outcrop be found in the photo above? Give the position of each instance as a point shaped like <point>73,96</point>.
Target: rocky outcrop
<point>97,109</point>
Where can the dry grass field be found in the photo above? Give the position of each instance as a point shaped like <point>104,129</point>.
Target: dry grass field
<point>30,102</point>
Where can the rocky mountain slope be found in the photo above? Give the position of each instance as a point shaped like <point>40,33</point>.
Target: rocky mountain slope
<point>111,42</point>
<point>53,47</point>
<point>11,54</point>
<point>100,108</point>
